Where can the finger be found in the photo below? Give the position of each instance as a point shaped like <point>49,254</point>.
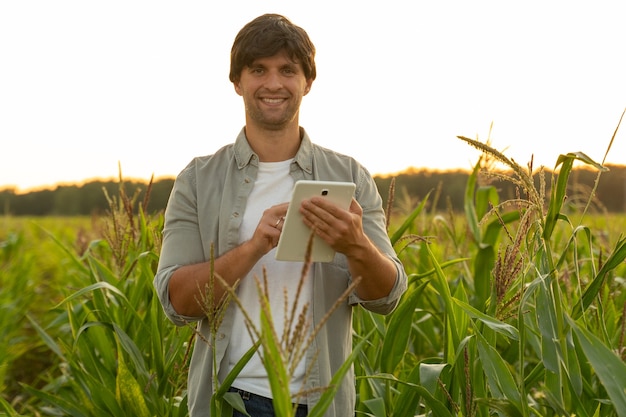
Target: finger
<point>355,207</point>
<point>279,222</point>
<point>277,215</point>
<point>281,209</point>
<point>330,211</point>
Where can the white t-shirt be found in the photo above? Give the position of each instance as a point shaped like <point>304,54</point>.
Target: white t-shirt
<point>273,186</point>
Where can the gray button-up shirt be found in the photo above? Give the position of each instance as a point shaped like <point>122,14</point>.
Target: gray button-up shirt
<point>206,208</point>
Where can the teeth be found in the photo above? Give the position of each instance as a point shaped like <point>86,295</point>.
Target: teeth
<point>272,100</point>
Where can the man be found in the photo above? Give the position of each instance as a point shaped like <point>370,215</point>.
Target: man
<point>234,201</point>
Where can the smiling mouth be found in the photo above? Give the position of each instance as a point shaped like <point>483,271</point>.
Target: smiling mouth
<point>273,100</point>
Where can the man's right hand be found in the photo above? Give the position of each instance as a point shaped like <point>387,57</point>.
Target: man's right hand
<point>267,232</point>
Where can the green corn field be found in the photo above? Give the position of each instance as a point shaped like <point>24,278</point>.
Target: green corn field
<point>514,308</point>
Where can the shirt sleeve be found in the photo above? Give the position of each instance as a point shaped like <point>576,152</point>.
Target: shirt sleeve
<point>375,227</point>
<point>182,243</point>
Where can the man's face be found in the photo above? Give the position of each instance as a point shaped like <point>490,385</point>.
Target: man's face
<point>272,89</point>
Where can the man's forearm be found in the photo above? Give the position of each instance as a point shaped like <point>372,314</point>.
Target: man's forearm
<point>188,284</point>
<point>378,273</point>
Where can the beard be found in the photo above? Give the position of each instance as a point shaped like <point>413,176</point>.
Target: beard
<point>271,119</point>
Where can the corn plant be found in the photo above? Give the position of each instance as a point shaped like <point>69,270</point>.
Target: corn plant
<point>14,262</point>
<point>29,264</point>
<point>117,354</point>
<point>527,321</point>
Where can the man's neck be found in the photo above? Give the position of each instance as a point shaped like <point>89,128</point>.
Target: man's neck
<point>274,145</point>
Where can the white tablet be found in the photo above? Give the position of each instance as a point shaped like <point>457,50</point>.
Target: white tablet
<point>294,237</point>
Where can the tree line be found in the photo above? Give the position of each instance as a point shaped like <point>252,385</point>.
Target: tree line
<point>446,190</point>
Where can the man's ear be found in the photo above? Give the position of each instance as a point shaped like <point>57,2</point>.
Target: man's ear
<point>237,87</point>
<point>307,88</point>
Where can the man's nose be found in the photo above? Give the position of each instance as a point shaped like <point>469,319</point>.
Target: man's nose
<point>274,81</point>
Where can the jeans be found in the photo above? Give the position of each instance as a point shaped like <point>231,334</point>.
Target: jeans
<point>258,406</point>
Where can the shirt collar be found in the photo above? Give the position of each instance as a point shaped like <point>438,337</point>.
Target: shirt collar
<point>244,154</point>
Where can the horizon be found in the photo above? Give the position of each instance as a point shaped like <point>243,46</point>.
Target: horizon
<point>115,178</point>
<point>146,180</point>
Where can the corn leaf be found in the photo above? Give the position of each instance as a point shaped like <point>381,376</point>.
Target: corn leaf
<point>506,407</point>
<point>559,191</point>
<point>441,285</point>
<point>438,408</point>
<point>407,402</point>
<point>486,197</point>
<point>77,262</point>
<point>233,400</point>
<point>494,324</point>
<point>377,406</point>
<point>430,375</point>
<point>400,325</point>
<point>609,368</point>
<point>232,375</point>
<point>131,348</point>
<point>128,391</point>
<point>558,194</point>
<point>54,347</point>
<point>274,363</point>
<point>97,286</point>
<point>6,409</point>
<point>483,265</point>
<point>613,261</point>
<point>329,393</point>
<point>221,398</point>
<point>547,322</point>
<point>469,204</point>
<point>499,377</point>
<point>408,221</point>
<point>70,408</point>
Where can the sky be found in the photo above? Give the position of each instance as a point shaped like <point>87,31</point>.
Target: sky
<point>87,85</point>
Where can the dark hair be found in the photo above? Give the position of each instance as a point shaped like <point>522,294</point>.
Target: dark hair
<point>267,35</point>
